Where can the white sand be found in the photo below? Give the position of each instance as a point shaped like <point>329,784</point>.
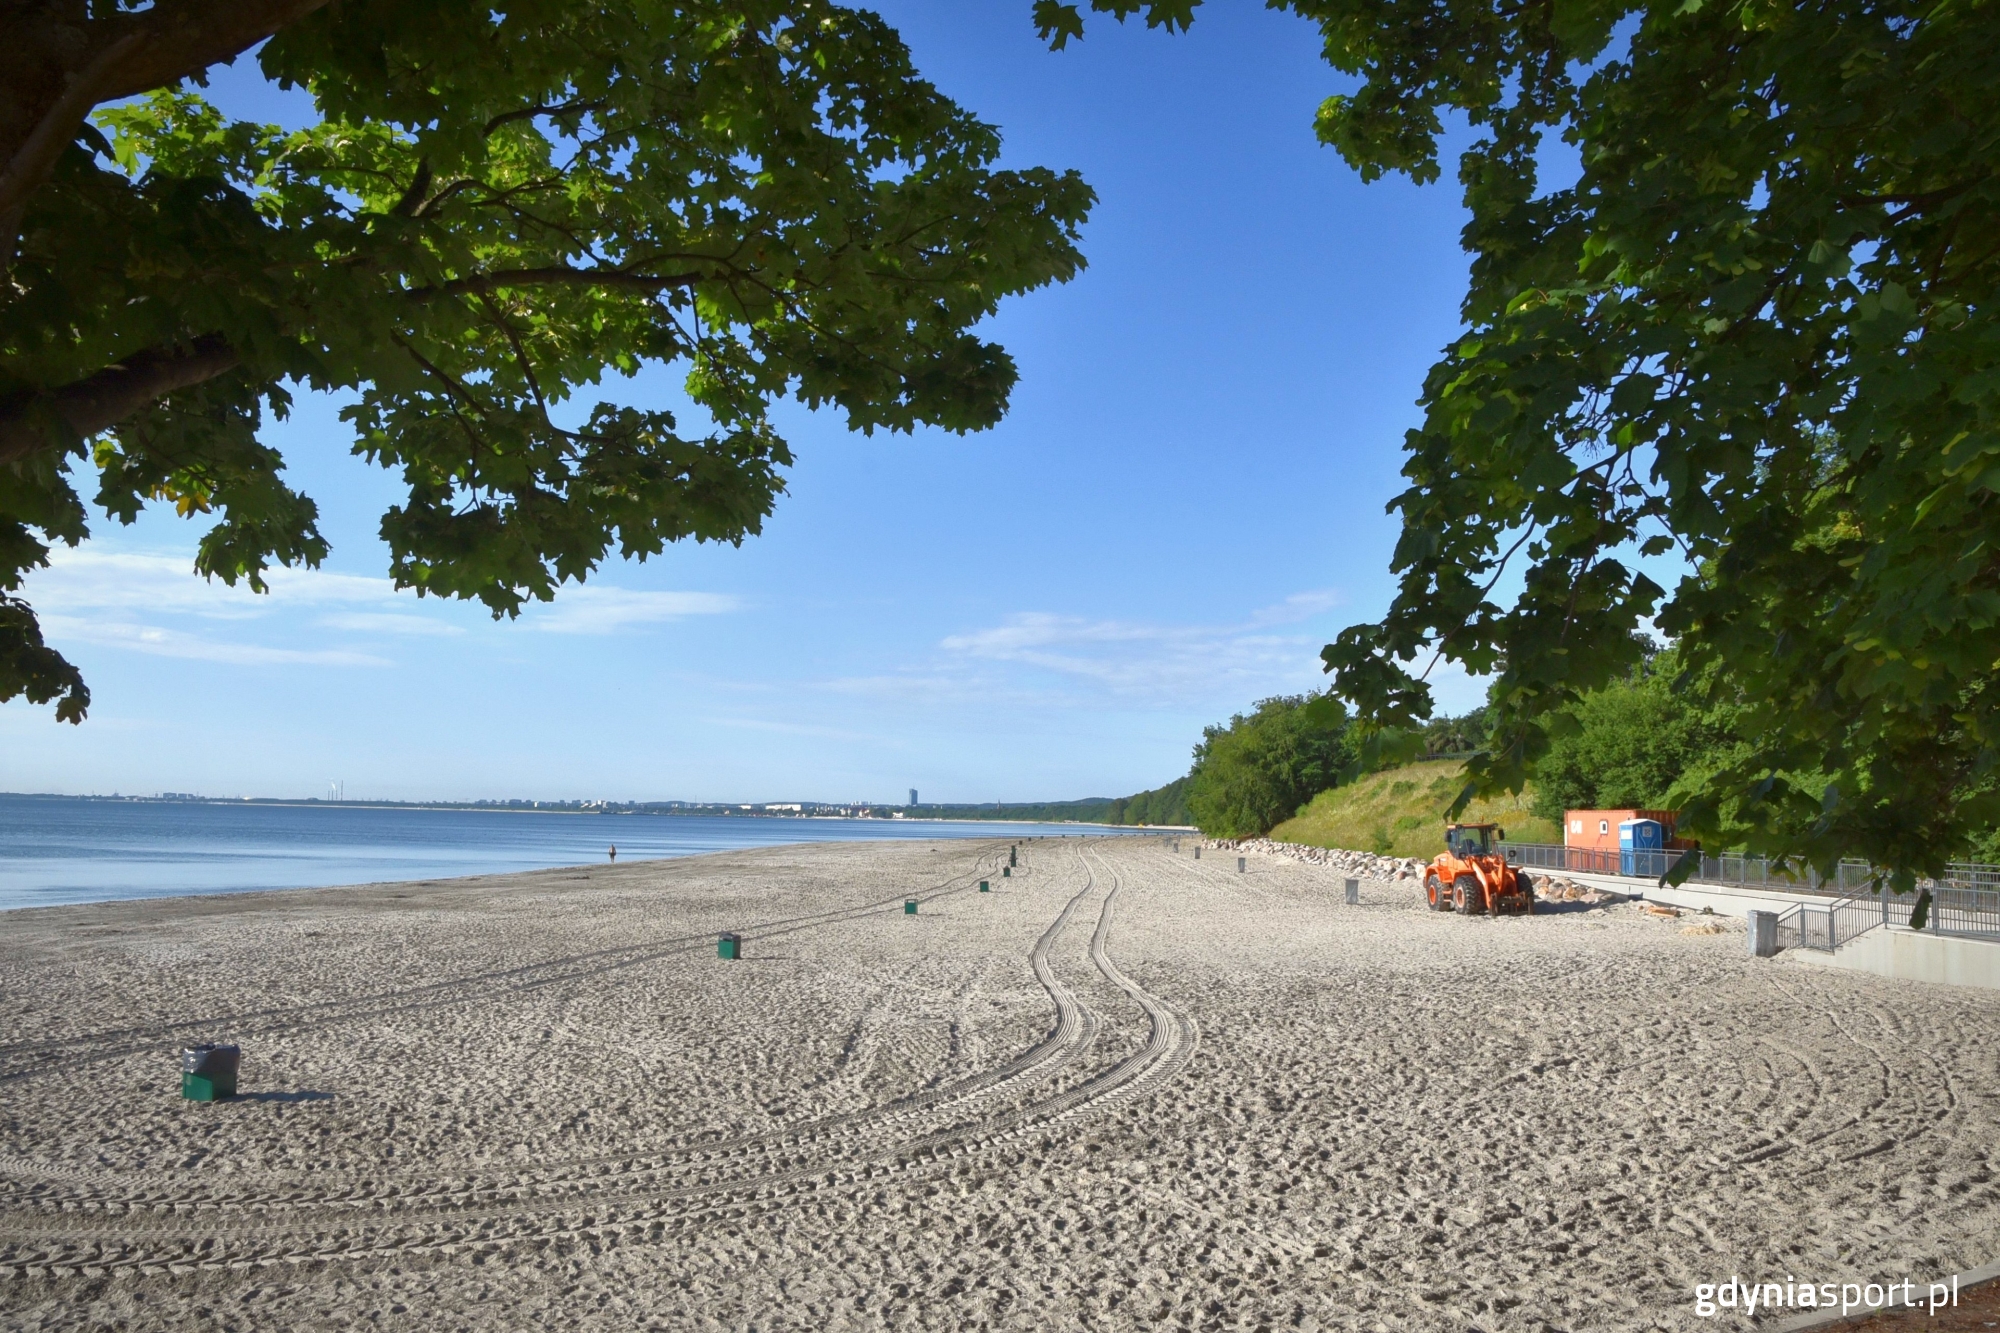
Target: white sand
<point>1210,1100</point>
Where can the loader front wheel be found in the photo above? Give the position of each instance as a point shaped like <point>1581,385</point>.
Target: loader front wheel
<point>1467,896</point>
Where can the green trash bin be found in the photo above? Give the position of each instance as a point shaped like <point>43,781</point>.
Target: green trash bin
<point>909,907</point>
<point>1006,872</point>
<point>208,1071</point>
<point>729,945</point>
<point>984,887</point>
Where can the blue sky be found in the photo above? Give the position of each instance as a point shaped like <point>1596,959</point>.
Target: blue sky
<point>1184,503</point>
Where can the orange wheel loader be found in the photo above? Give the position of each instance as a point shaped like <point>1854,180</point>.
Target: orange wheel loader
<point>1473,877</point>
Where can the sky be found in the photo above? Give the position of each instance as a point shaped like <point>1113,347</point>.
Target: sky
<point>1185,501</point>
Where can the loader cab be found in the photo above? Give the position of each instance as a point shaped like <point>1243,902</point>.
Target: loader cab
<point>1472,839</point>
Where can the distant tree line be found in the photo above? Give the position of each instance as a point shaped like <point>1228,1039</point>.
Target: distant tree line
<point>1161,805</point>
<point>1254,771</point>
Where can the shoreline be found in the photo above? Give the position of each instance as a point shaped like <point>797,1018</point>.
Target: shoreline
<point>98,854</point>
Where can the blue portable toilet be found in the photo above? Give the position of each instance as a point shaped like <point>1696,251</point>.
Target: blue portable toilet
<point>1636,836</point>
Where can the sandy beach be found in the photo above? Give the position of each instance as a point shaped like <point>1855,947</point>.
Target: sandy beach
<point>1124,1089</point>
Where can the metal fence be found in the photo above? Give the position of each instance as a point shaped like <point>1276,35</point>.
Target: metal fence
<point>1966,902</point>
<point>1754,872</point>
<point>1969,913</point>
<point>1954,911</point>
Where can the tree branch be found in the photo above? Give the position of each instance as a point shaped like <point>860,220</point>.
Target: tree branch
<point>99,402</point>
<point>35,155</point>
<point>120,56</point>
<point>531,112</point>
<point>481,283</point>
<point>1913,203</point>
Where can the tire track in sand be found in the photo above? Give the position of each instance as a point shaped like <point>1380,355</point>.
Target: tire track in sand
<point>924,1129</point>
<point>26,1059</point>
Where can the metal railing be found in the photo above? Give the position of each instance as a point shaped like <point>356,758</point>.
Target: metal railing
<point>1967,913</point>
<point>1966,902</point>
<point>1954,911</point>
<point>1811,926</point>
<point>1751,872</point>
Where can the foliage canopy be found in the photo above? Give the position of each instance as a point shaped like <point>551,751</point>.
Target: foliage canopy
<point>1160,805</point>
<point>1637,743</point>
<point>503,204</point>
<point>1260,768</point>
<point>1758,332</point>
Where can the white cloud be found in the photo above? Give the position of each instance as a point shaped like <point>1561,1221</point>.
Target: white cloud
<point>1299,606</point>
<point>174,643</point>
<point>94,580</point>
<point>1137,658</point>
<point>96,596</point>
<point>385,622</point>
<point>598,610</point>
<point>1144,661</point>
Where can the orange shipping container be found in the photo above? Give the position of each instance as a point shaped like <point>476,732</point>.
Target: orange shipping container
<point>1598,829</point>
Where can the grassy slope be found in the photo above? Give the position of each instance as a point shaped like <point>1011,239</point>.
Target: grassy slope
<point>1400,812</point>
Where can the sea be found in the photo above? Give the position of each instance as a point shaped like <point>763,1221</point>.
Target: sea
<point>56,850</point>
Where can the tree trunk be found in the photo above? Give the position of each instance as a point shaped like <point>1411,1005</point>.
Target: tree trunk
<point>57,64</point>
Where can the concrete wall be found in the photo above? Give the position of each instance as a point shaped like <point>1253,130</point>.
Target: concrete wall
<point>1731,901</point>
<point>1914,955</point>
<point>1694,897</point>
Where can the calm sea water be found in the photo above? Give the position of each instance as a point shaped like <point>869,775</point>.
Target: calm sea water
<point>55,850</point>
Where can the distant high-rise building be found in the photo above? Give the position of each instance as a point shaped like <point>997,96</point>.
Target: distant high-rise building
<point>913,796</point>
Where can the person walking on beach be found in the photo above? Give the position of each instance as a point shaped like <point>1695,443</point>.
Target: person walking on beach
<point>614,851</point>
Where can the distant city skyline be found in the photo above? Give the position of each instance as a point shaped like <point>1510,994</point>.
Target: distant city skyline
<point>801,806</point>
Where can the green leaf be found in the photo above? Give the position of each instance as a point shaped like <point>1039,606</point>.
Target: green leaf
<point>1683,868</point>
<point>1057,23</point>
